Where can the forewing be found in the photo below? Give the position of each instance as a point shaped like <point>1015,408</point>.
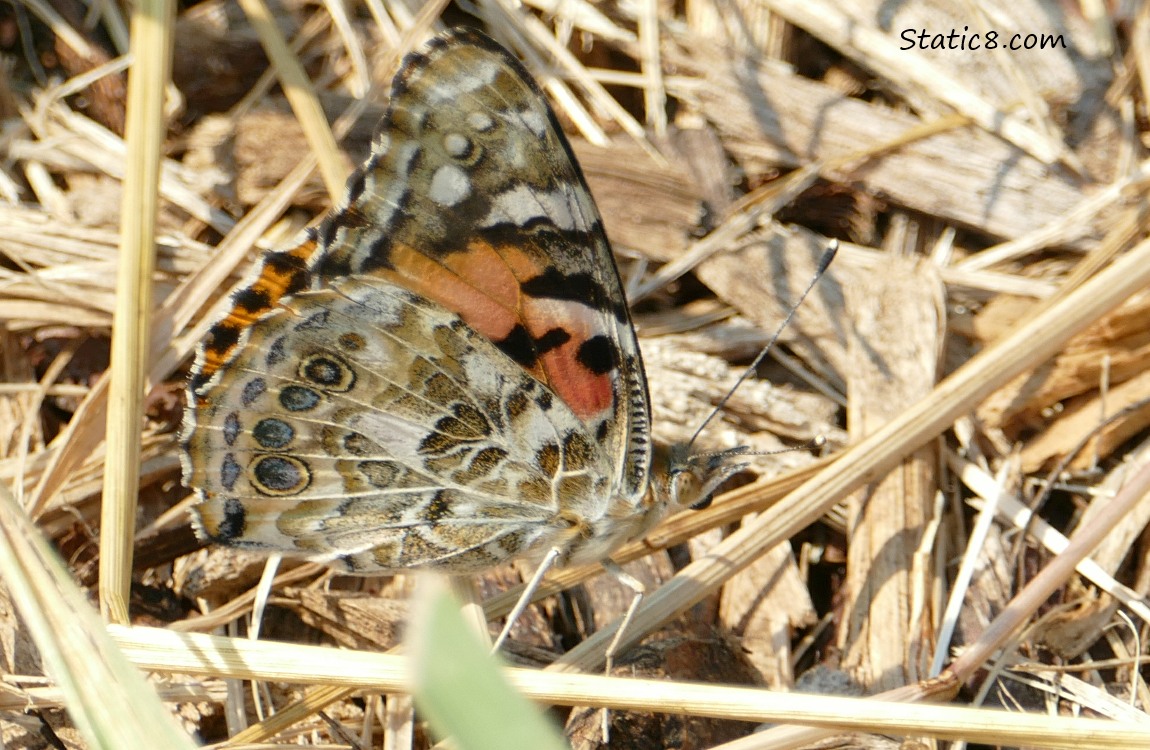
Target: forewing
<point>472,198</point>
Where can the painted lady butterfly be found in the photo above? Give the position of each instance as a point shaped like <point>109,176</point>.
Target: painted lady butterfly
<point>444,373</point>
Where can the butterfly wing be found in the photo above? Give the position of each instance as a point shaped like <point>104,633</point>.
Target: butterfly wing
<point>471,209</point>
<point>473,198</point>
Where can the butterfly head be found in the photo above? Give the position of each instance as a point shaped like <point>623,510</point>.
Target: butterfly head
<point>683,479</point>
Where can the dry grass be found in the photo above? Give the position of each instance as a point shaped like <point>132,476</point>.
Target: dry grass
<point>974,360</point>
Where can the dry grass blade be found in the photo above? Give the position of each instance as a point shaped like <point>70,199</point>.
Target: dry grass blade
<point>1054,575</point>
<point>96,680</point>
<point>201,654</point>
<point>1066,229</point>
<point>152,51</point>
<point>879,52</point>
<point>1010,507</point>
<point>654,95</point>
<point>315,700</point>
<point>298,89</point>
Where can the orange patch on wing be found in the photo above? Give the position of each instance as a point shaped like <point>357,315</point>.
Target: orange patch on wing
<point>272,285</point>
<point>482,285</point>
<point>475,284</point>
<point>488,271</point>
<point>587,393</point>
<point>522,265</point>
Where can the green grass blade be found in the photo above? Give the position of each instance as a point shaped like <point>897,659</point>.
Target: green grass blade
<point>458,687</point>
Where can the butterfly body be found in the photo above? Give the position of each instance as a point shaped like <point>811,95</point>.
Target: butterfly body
<point>444,373</point>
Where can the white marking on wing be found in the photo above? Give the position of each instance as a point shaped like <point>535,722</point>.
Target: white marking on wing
<point>451,88</point>
<point>457,145</point>
<point>536,121</point>
<point>481,121</point>
<point>521,204</point>
<point>449,185</point>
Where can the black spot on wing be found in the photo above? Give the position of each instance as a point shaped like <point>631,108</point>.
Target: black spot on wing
<point>287,264</point>
<point>325,233</point>
<point>252,300</point>
<point>296,398</point>
<point>574,287</point>
<point>231,428</point>
<point>277,352</point>
<point>351,562</point>
<point>273,434</point>
<point>230,471</point>
<point>222,337</point>
<point>355,185</point>
<point>232,525</point>
<point>438,509</point>
<point>378,256</point>
<point>316,321</point>
<point>598,355</point>
<point>519,345</point>
<point>545,400</point>
<point>253,389</point>
<point>280,475</point>
<point>525,350</point>
<point>333,266</point>
<point>553,339</point>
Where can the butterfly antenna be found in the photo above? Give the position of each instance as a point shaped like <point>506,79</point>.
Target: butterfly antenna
<point>824,263</point>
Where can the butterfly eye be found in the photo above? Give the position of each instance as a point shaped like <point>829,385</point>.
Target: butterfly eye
<point>685,486</point>
<point>703,504</point>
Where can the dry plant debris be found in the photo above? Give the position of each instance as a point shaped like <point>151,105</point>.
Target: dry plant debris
<point>976,194</point>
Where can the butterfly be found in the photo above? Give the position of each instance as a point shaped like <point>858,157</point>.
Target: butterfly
<point>443,374</point>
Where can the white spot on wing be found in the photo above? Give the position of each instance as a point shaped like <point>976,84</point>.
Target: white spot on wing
<point>480,121</point>
<point>521,204</point>
<point>452,88</point>
<point>449,185</point>
<point>536,121</point>
<point>457,145</point>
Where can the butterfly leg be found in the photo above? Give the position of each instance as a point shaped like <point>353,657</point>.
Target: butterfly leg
<point>640,590</point>
<point>525,598</point>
